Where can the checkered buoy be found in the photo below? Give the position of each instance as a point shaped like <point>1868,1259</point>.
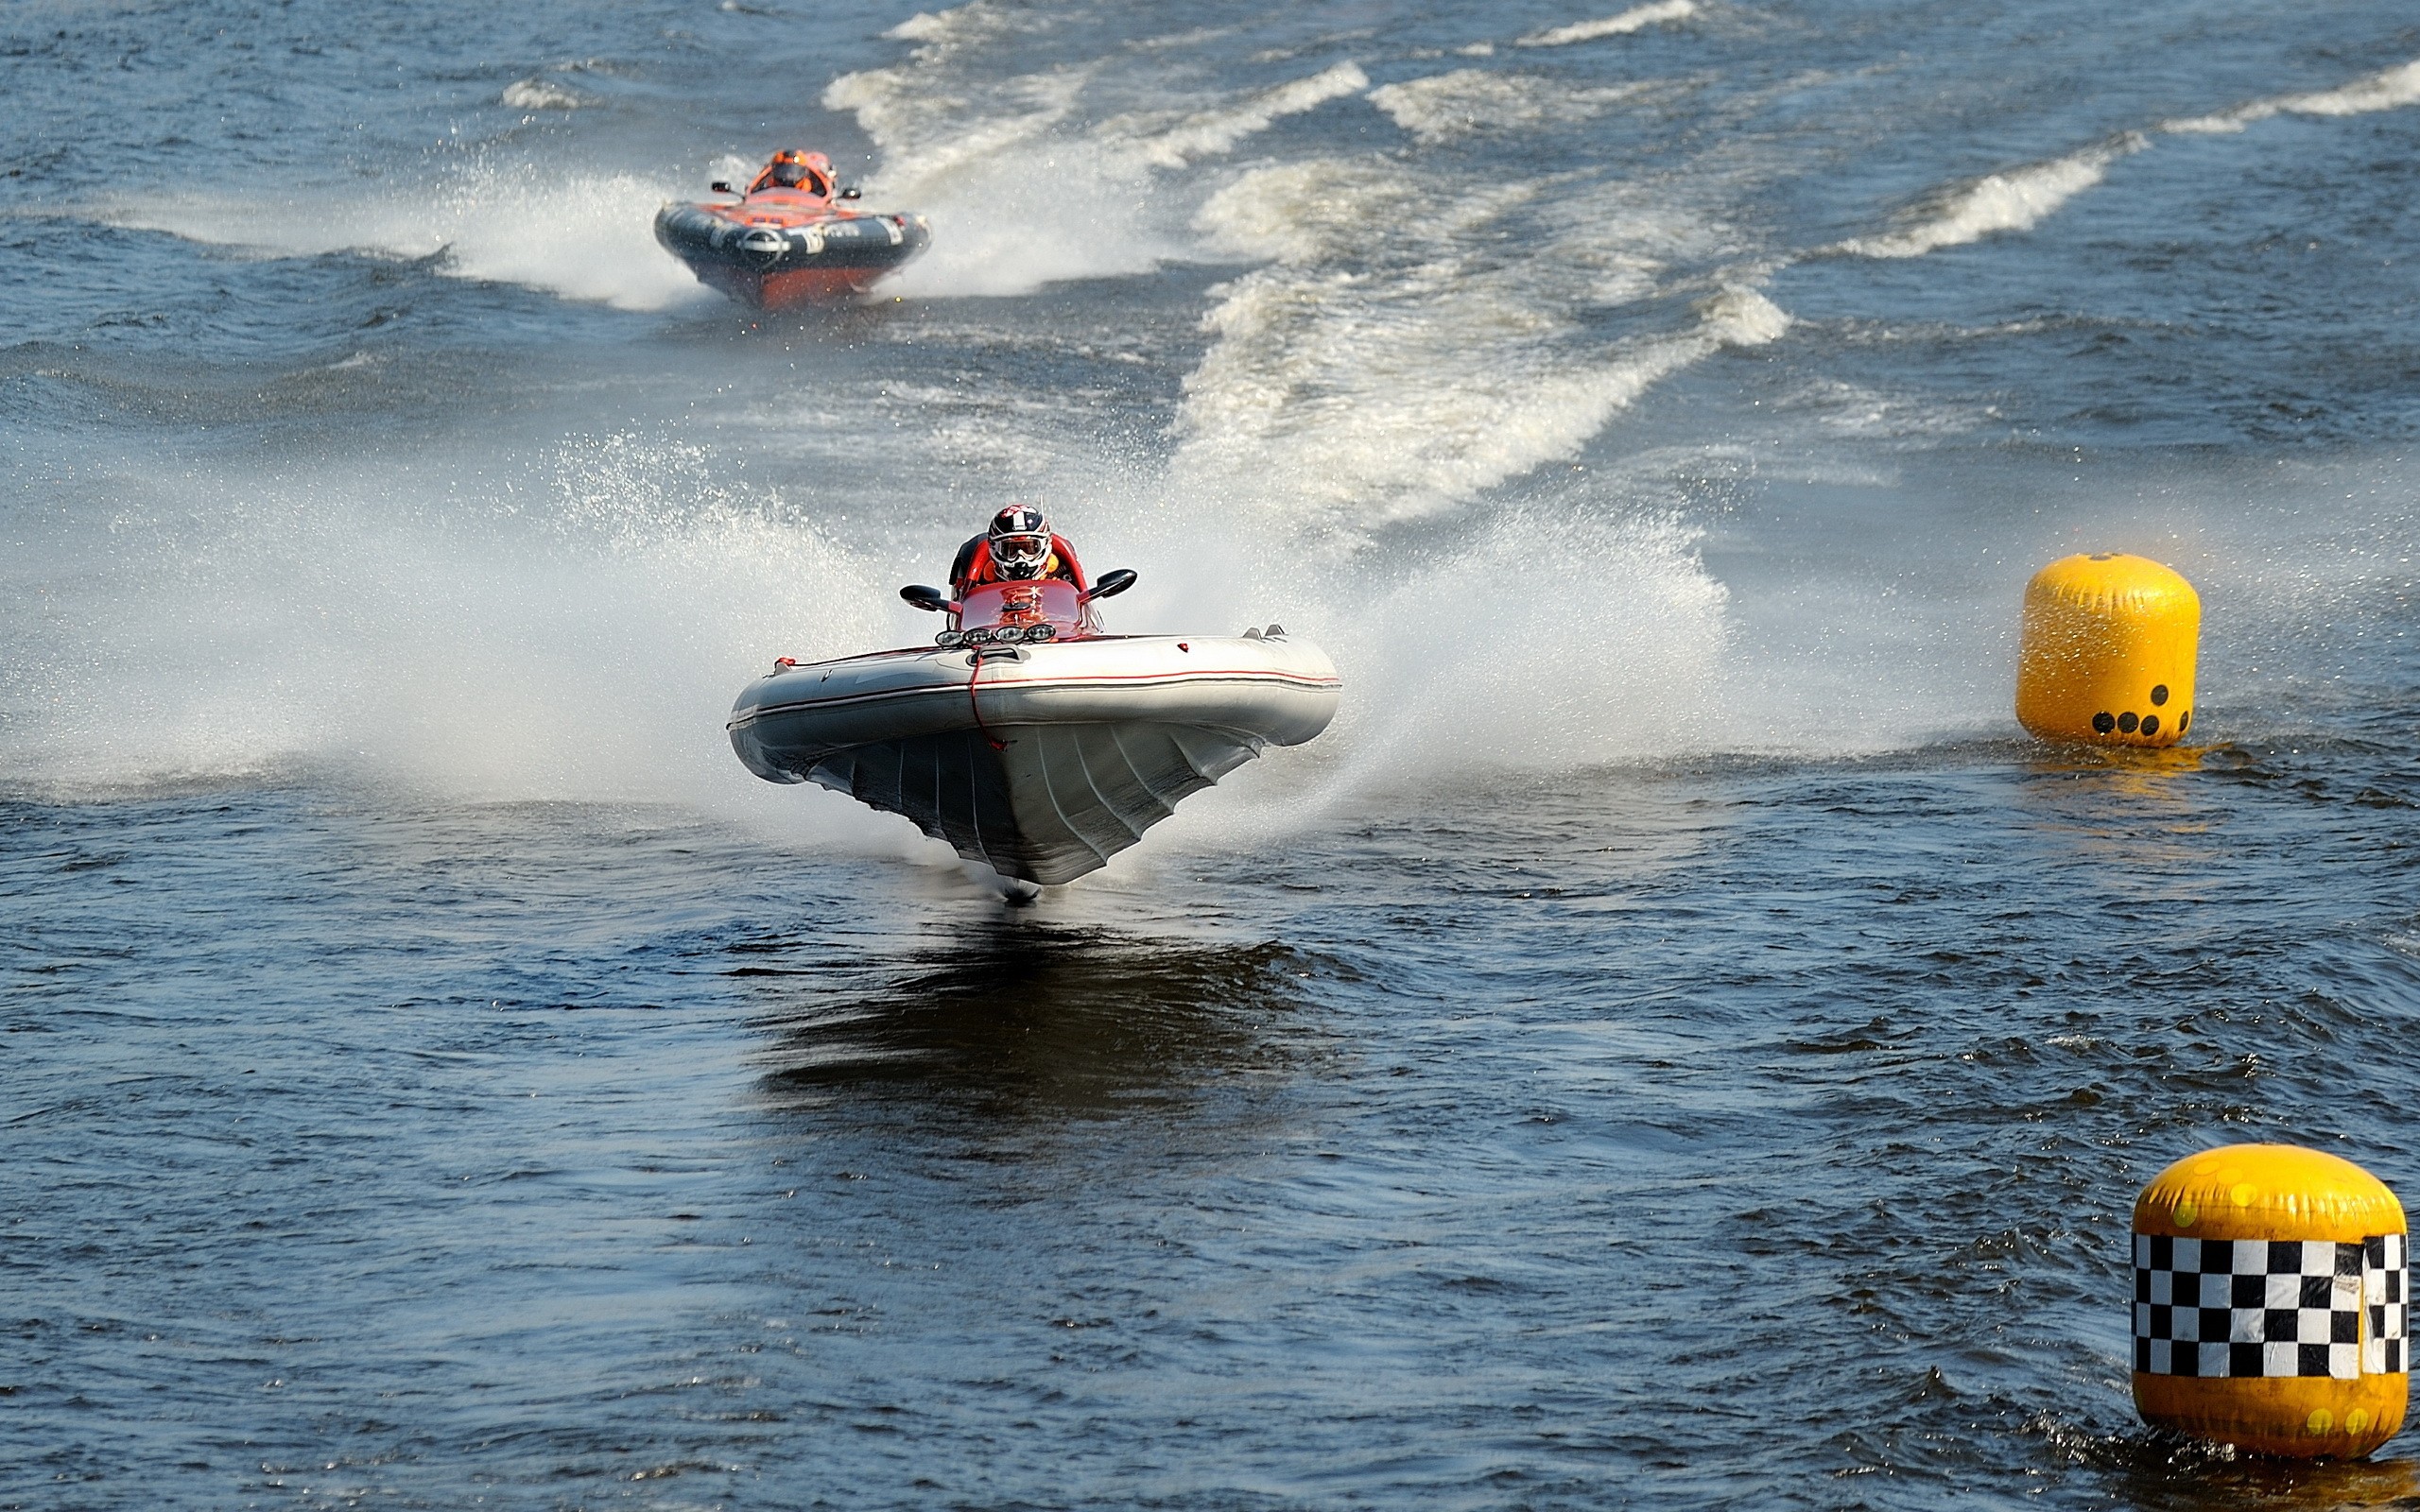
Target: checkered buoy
<point>2269,1302</point>
<point>2106,649</point>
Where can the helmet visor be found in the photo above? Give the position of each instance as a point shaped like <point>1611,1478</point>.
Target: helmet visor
<point>1021,551</point>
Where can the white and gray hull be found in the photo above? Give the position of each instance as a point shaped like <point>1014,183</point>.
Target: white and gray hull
<point>1061,755</point>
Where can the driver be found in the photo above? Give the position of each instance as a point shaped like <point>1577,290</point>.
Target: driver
<point>1020,545</point>
<point>809,173</point>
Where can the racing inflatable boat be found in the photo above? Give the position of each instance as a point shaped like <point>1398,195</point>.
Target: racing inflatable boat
<point>774,248</point>
<point>1025,738</point>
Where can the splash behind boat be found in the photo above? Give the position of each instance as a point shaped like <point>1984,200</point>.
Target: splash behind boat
<point>775,248</point>
<point>1025,738</point>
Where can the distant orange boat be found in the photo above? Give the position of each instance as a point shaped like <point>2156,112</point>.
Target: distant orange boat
<point>789,239</point>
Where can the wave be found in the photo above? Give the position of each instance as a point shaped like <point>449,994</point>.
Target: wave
<point>1386,366</point>
<point>541,95</point>
<point>575,625</point>
<point>1012,208</point>
<point>976,22</point>
<point>1635,19</point>
<point>1029,180</point>
<point>1845,409</point>
<point>1523,686</point>
<point>586,236</point>
<point>2019,199</point>
<point>1472,100</point>
<point>2388,90</point>
<point>933,142</point>
<point>1211,132</point>
<point>2014,201</point>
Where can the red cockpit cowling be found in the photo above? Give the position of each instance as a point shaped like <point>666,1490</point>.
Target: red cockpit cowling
<point>1050,601</point>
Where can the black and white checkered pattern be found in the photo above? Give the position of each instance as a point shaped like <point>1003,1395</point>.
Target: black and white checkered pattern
<point>2385,1280</point>
<point>2268,1307</point>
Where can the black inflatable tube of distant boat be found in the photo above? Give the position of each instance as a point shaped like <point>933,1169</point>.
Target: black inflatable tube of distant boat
<point>694,233</point>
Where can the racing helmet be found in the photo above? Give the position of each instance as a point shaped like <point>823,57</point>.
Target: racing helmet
<point>1020,540</point>
<point>794,169</point>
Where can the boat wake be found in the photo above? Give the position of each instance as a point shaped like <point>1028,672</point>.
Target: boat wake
<point>1635,19</point>
<point>1053,176</point>
<point>2018,199</point>
<point>494,216</point>
<point>2388,90</point>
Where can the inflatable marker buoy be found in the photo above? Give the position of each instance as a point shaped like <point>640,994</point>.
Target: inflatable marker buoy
<point>2269,1302</point>
<point>2106,651</point>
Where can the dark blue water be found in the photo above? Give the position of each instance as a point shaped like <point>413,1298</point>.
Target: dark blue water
<point>1671,1044</point>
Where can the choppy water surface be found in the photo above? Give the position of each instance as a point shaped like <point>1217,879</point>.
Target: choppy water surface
<point>1669,1044</point>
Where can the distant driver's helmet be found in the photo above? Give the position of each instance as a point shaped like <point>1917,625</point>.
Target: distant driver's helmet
<point>1020,541</point>
<point>793,169</point>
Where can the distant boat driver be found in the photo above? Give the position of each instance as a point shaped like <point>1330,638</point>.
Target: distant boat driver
<point>1020,547</point>
<point>808,173</point>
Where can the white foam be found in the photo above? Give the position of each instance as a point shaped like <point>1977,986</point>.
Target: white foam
<point>2014,200</point>
<point>1385,366</point>
<point>1015,203</point>
<point>2021,197</point>
<point>1575,625</point>
<point>1092,222</point>
<point>1589,632</point>
<point>1469,100</point>
<point>2388,90</point>
<point>1021,189</point>
<point>1854,409</point>
<point>2225,122</point>
<point>1208,133</point>
<point>575,628</point>
<point>941,26</point>
<point>1635,19</point>
<point>541,95</point>
<point>583,236</point>
<point>1740,316</point>
<point>933,142</point>
<point>1299,213</point>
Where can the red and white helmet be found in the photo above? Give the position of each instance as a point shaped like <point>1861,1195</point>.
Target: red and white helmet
<point>1020,541</point>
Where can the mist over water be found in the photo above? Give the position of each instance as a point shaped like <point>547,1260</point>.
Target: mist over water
<point>1669,1041</point>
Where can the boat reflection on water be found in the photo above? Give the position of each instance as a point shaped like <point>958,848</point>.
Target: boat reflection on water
<point>1047,1020</point>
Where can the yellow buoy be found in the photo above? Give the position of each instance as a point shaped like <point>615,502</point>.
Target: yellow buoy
<point>2269,1302</point>
<point>2106,651</point>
